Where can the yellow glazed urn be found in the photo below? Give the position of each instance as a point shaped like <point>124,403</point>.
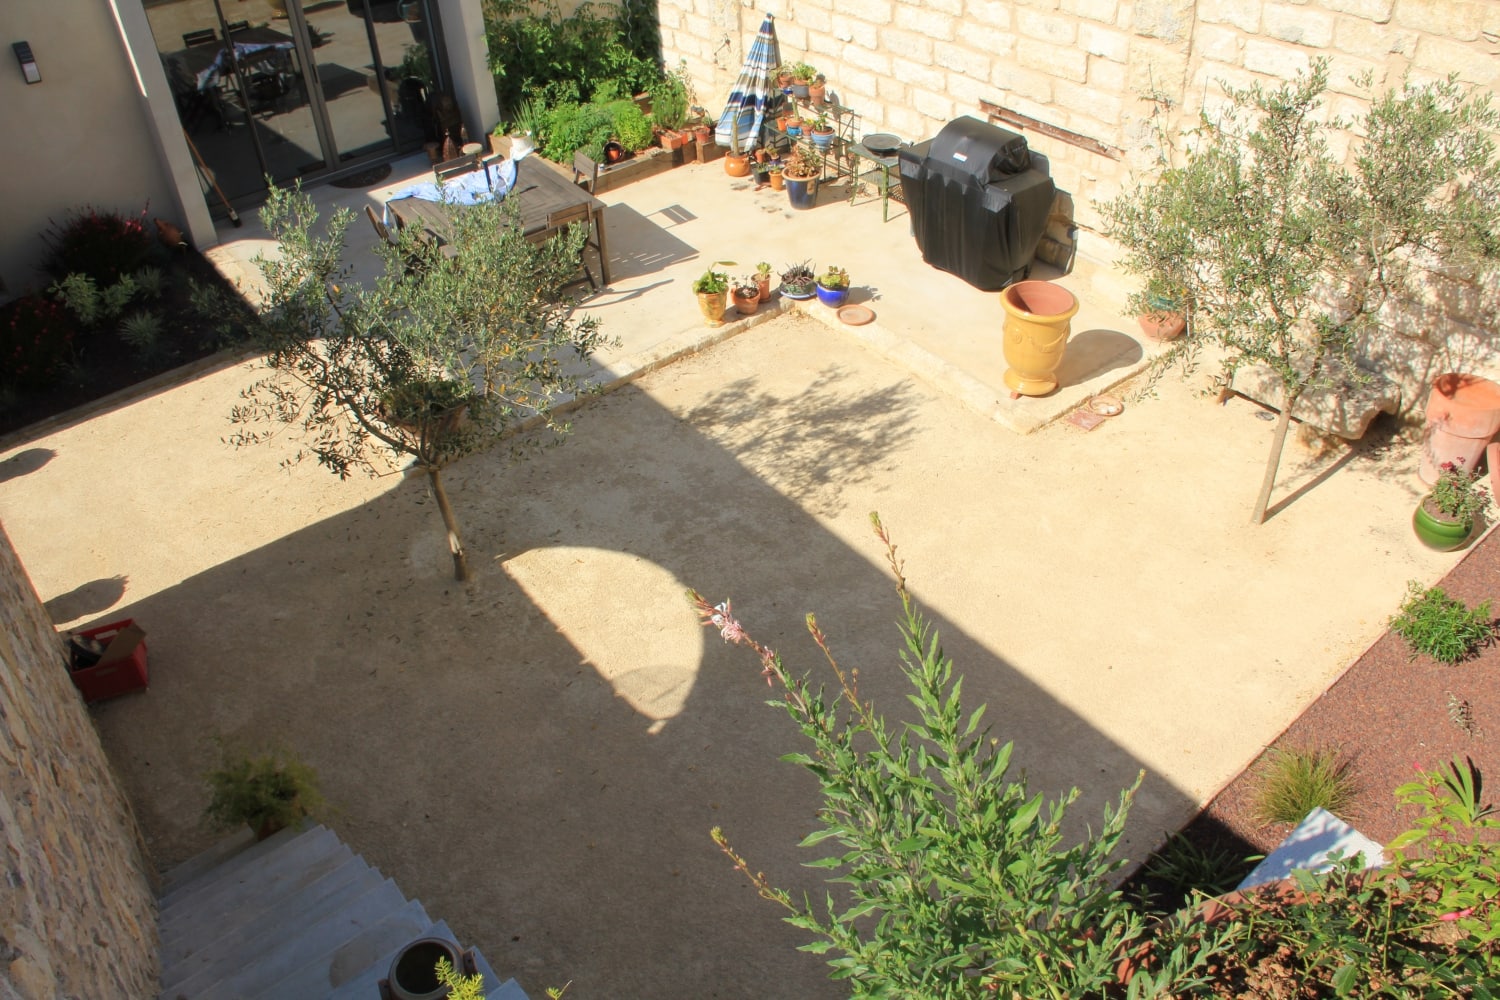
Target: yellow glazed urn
<point>1038,318</point>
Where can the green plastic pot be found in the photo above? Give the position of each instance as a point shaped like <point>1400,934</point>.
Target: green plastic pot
<point>1439,534</point>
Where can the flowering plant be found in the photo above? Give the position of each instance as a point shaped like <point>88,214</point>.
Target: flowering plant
<point>956,880</point>
<point>1457,495</point>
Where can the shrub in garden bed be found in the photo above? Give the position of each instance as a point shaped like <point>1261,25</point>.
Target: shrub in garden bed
<point>120,308</point>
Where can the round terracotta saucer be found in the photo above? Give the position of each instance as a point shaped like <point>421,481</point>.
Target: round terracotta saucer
<point>856,315</point>
<point>1106,405</point>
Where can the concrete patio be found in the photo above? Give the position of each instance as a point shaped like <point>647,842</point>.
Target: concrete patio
<point>539,756</point>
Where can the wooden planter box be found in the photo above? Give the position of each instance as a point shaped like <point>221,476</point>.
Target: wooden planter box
<point>646,163</point>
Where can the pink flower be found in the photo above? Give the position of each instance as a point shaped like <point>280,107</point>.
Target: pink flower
<point>1457,914</point>
<point>723,620</point>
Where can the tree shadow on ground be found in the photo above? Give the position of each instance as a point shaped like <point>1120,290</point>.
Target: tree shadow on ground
<point>491,747</point>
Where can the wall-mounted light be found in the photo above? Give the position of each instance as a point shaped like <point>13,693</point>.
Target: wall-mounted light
<point>27,61</point>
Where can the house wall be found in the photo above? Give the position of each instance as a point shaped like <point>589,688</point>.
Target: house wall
<point>80,137</point>
<point>77,916</point>
<point>911,66</point>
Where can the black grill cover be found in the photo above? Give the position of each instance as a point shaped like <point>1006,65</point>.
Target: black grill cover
<point>977,209</point>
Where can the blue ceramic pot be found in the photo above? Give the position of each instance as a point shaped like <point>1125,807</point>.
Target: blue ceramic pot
<point>822,141</point>
<point>802,192</point>
<point>832,296</point>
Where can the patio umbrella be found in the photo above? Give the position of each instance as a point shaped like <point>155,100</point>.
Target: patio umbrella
<point>754,92</point>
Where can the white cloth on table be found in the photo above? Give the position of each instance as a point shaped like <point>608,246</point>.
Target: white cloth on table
<point>216,69</point>
<point>489,183</point>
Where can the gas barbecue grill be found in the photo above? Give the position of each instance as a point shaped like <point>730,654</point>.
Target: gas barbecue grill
<point>978,204</point>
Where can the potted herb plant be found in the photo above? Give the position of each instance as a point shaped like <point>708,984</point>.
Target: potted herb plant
<point>817,90</point>
<point>1446,517</point>
<point>712,289</point>
<point>833,286</point>
<point>799,281</point>
<point>802,78</point>
<point>800,173</point>
<point>822,134</point>
<point>763,280</point>
<point>746,295</point>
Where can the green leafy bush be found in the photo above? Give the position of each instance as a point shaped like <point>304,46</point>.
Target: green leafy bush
<point>1295,782</point>
<point>571,127</point>
<point>631,127</point>
<point>954,879</point>
<point>105,246</point>
<point>1424,927</point>
<point>1444,628</point>
<point>36,342</point>
<point>532,45</point>
<point>266,793</point>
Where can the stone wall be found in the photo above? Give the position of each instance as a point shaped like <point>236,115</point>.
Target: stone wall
<point>77,916</point>
<point>910,66</point>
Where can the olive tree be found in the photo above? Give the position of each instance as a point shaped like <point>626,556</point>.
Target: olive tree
<point>1285,252</point>
<point>443,355</point>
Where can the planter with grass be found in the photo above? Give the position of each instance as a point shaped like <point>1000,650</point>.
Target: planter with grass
<point>1295,782</point>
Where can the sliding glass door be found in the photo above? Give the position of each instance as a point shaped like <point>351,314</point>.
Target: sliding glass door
<point>294,88</point>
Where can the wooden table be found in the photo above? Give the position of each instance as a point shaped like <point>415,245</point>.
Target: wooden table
<point>541,189</point>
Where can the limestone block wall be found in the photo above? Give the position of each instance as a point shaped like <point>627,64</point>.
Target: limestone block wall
<point>77,915</point>
<point>910,66</point>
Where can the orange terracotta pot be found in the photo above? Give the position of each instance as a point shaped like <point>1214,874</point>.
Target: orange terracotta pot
<point>1463,415</point>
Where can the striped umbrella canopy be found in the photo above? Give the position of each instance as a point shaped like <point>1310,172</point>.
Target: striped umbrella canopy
<point>754,93</point>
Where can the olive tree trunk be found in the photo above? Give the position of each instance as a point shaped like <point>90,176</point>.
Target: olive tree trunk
<point>455,542</point>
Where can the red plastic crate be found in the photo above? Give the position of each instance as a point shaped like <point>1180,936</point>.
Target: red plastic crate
<point>115,675</point>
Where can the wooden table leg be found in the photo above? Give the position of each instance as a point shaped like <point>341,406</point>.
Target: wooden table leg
<point>603,247</point>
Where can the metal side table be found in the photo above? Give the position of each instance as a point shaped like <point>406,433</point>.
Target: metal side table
<point>882,171</point>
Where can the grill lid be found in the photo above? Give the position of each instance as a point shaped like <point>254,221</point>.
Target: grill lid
<point>970,147</point>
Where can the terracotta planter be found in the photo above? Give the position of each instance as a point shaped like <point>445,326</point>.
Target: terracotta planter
<point>704,135</point>
<point>670,140</point>
<point>736,165</point>
<point>1038,319</point>
<point>712,305</point>
<point>816,93</point>
<point>1463,415</point>
<point>1438,532</point>
<point>746,305</point>
<point>778,182</point>
<point>763,284</point>
<point>1162,326</point>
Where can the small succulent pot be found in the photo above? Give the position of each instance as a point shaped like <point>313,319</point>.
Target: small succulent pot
<point>834,297</point>
<point>746,299</point>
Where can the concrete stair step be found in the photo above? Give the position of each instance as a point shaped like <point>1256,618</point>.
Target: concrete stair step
<point>278,952</point>
<point>201,864</point>
<point>232,868</point>
<point>318,975</point>
<point>201,946</point>
<point>256,885</point>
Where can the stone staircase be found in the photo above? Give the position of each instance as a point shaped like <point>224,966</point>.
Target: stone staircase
<point>298,916</point>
